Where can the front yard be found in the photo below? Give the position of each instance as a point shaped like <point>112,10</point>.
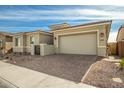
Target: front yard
<point>105,74</point>
<point>102,74</point>
<point>69,67</point>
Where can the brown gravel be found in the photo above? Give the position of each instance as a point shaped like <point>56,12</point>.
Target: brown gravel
<point>70,67</point>
<point>101,75</point>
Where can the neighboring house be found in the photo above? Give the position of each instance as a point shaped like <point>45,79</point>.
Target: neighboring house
<point>120,35</point>
<point>5,42</point>
<point>22,41</point>
<point>88,39</point>
<point>120,41</point>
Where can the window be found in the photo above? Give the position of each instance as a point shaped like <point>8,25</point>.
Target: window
<point>32,40</point>
<point>17,41</point>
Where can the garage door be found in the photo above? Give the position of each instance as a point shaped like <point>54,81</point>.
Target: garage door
<point>78,44</point>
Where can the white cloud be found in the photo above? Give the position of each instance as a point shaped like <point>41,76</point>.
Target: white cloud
<point>65,14</point>
<point>31,18</point>
<point>112,36</point>
<point>105,14</point>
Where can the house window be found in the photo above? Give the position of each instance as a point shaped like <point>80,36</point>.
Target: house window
<point>32,40</point>
<point>17,41</point>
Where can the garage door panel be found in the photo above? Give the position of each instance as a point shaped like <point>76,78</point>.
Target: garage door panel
<point>78,44</point>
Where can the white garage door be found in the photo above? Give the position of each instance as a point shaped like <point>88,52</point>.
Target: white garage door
<point>78,44</point>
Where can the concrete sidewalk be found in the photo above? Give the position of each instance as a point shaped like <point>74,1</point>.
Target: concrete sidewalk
<point>115,59</point>
<point>15,76</point>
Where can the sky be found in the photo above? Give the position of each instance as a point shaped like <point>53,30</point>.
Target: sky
<point>24,18</point>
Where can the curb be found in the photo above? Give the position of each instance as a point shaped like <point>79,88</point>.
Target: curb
<point>7,83</point>
<point>87,72</point>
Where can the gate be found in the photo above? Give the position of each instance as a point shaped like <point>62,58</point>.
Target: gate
<point>37,49</point>
<point>121,48</point>
<point>112,48</point>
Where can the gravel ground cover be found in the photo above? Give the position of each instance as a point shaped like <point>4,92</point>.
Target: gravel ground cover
<point>105,74</point>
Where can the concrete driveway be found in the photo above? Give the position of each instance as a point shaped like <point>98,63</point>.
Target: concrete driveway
<point>69,67</point>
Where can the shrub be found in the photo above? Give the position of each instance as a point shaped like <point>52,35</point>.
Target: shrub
<point>122,64</point>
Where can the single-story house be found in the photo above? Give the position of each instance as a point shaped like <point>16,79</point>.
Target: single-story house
<point>88,39</point>
<point>120,41</point>
<point>22,41</point>
<point>5,42</point>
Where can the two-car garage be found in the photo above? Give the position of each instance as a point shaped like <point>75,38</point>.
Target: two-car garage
<point>87,39</point>
<point>78,44</point>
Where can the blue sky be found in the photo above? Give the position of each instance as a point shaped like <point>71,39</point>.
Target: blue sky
<point>29,18</point>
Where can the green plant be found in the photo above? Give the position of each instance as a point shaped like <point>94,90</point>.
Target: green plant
<point>122,64</point>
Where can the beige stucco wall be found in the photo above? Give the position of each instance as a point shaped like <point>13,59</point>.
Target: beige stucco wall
<point>102,46</point>
<point>101,42</point>
<point>22,47</point>
<point>46,39</point>
<point>6,42</point>
<point>18,49</point>
<point>22,40</point>
<point>36,36</point>
<point>39,39</point>
<point>121,34</point>
<point>25,45</point>
<point>46,49</point>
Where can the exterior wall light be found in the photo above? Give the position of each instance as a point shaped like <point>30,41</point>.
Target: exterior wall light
<point>102,36</point>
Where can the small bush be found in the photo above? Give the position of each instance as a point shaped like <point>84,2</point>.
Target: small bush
<point>122,64</point>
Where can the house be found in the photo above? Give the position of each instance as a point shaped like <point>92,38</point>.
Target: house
<point>120,36</point>
<point>22,41</point>
<point>88,39</point>
<point>5,42</point>
<point>120,41</point>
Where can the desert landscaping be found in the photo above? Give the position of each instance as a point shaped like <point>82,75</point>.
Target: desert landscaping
<point>105,74</point>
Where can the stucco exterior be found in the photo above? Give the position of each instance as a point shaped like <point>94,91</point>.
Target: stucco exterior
<point>100,28</point>
<point>22,46</point>
<point>25,40</point>
<point>46,39</point>
<point>5,42</point>
<point>120,35</point>
<point>120,42</point>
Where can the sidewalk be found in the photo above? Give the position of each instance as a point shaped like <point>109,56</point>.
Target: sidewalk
<point>15,76</point>
<point>115,59</point>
